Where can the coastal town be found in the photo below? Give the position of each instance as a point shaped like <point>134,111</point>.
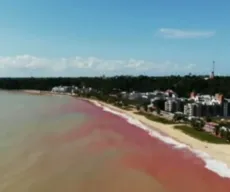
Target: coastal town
<point>114,96</point>
<point>206,113</point>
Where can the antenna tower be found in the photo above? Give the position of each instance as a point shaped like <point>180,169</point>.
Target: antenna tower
<point>213,67</point>
<point>213,70</point>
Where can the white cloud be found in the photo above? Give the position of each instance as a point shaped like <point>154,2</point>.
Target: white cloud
<point>24,65</point>
<point>184,34</point>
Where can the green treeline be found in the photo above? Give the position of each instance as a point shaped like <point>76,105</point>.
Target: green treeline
<point>183,85</point>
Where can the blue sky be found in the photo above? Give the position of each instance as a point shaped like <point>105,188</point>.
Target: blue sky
<point>76,37</point>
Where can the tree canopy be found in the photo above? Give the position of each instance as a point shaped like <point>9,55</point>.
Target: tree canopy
<point>183,85</point>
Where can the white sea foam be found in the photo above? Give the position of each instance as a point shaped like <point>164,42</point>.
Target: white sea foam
<point>213,165</point>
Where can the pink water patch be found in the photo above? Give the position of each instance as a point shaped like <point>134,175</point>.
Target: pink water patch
<point>177,170</point>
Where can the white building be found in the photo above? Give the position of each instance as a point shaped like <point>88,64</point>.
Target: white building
<point>170,105</point>
<point>59,89</point>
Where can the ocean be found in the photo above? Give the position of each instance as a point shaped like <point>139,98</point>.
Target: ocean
<point>60,143</point>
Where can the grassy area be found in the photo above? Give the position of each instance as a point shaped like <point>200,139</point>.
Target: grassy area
<point>128,108</point>
<point>155,118</point>
<point>200,135</point>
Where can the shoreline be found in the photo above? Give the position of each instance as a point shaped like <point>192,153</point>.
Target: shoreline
<point>220,152</point>
<point>104,145</point>
<point>30,92</point>
<point>35,92</point>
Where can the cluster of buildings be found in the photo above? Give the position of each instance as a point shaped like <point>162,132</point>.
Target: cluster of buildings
<point>199,105</point>
<point>149,96</point>
<point>196,105</point>
<point>70,89</point>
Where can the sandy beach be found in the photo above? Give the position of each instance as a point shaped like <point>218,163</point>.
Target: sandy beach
<point>34,92</point>
<point>219,152</point>
<point>37,92</point>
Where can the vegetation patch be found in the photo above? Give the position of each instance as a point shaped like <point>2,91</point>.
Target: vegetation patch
<point>155,118</point>
<point>200,135</point>
<point>128,108</point>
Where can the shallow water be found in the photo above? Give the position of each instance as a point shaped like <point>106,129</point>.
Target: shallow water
<point>58,143</point>
<point>26,154</point>
<point>37,155</point>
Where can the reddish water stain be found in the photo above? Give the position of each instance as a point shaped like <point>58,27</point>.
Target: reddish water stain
<point>177,170</point>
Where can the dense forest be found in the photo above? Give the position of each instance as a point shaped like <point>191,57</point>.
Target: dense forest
<point>183,85</point>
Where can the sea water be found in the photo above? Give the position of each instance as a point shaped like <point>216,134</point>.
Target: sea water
<point>60,143</point>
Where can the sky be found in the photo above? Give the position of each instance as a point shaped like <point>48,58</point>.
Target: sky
<point>108,37</point>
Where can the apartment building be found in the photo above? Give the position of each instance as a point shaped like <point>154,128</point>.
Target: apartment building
<point>207,105</point>
<point>226,108</point>
<point>171,105</point>
<point>190,109</point>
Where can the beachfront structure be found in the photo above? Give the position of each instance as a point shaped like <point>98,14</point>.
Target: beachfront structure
<point>174,105</point>
<point>138,96</point>
<point>189,110</point>
<point>170,105</point>
<point>59,89</point>
<point>207,99</point>
<point>196,106</point>
<point>64,89</point>
<point>207,105</point>
<point>214,109</point>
